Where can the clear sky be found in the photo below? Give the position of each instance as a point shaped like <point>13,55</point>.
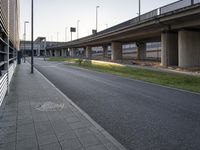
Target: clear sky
<point>51,17</point>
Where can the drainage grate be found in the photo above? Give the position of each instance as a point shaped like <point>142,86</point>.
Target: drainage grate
<point>50,106</point>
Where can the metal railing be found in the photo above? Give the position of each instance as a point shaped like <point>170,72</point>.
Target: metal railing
<point>3,87</point>
<point>175,6</point>
<point>4,81</point>
<point>11,71</point>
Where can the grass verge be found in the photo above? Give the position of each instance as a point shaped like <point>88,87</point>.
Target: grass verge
<point>180,81</point>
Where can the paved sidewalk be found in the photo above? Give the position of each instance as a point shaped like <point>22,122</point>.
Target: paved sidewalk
<point>36,116</point>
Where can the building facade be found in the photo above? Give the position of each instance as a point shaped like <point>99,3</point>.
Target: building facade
<point>9,42</point>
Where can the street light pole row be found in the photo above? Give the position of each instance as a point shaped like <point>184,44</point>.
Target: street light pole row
<point>78,21</point>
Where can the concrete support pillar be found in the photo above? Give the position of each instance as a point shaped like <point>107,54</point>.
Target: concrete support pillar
<point>84,52</point>
<point>50,53</point>
<point>72,52</point>
<point>116,51</point>
<point>57,53</point>
<point>169,49</point>
<point>64,53</point>
<point>189,48</point>
<point>105,51</point>
<point>141,50</point>
<point>88,52</point>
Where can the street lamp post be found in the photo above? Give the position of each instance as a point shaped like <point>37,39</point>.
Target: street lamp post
<point>78,28</point>
<point>139,13</point>
<point>32,52</point>
<point>24,53</point>
<point>45,48</point>
<point>97,17</point>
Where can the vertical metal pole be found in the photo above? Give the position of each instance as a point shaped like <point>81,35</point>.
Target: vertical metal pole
<point>24,44</point>
<point>24,41</point>
<point>97,18</point>
<point>71,35</point>
<point>78,28</point>
<point>45,50</point>
<point>139,13</point>
<point>8,48</point>
<point>32,52</point>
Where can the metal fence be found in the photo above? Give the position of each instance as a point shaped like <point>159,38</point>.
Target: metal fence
<point>3,87</point>
<point>175,6</point>
<point>148,15</point>
<point>5,80</point>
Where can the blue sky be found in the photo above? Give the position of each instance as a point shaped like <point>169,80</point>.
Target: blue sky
<point>51,17</point>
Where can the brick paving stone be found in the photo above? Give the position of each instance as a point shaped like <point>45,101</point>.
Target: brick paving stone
<point>72,144</point>
<point>89,140</point>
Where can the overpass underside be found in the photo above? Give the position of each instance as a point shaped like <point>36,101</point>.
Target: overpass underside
<point>178,31</point>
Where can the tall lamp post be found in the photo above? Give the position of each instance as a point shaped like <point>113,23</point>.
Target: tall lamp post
<point>97,18</point>
<point>139,13</point>
<point>24,53</point>
<point>78,28</point>
<point>32,52</point>
<point>45,48</point>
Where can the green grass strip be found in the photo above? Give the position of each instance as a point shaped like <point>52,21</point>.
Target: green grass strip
<point>176,80</point>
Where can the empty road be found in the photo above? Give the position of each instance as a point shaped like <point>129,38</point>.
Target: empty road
<point>139,115</point>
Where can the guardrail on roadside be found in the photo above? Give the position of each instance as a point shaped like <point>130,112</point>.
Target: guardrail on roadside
<point>4,82</point>
<point>3,87</point>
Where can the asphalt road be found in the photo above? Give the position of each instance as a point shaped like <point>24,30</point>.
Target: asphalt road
<point>139,115</point>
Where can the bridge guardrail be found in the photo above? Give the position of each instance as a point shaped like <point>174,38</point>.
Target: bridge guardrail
<point>175,6</point>
<point>196,1</point>
<point>149,15</point>
<point>133,21</point>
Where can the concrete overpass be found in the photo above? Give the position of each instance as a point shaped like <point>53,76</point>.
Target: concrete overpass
<point>176,26</point>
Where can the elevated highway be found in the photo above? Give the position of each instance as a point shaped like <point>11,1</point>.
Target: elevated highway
<point>176,26</point>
